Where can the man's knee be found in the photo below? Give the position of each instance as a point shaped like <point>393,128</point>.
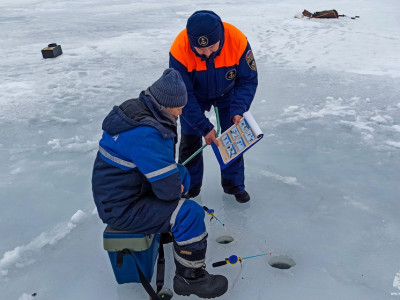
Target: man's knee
<point>187,222</point>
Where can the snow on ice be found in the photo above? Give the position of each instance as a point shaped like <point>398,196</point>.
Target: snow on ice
<point>324,181</point>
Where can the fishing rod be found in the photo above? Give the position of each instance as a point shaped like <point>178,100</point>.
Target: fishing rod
<point>202,148</point>
<point>208,211</point>
<point>212,214</point>
<point>234,259</point>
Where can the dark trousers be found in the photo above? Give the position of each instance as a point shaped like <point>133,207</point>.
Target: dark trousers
<point>232,177</point>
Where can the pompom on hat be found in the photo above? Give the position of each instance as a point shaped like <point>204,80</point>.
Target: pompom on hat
<point>169,90</point>
<point>204,29</point>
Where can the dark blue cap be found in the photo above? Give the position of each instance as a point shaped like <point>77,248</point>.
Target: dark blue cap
<point>204,28</point>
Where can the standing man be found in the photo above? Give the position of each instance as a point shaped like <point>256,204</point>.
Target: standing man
<point>137,184</point>
<point>217,65</point>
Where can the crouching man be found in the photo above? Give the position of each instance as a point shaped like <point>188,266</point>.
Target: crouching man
<point>137,185</point>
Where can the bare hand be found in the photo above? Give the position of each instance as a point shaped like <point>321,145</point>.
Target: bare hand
<point>236,119</point>
<point>211,138</point>
<point>182,188</point>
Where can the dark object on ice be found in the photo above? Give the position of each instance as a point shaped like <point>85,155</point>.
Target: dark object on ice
<point>325,14</point>
<point>165,294</point>
<point>51,51</point>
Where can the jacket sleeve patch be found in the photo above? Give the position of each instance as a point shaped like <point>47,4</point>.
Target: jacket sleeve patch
<point>250,60</point>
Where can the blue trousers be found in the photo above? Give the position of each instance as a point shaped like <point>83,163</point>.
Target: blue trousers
<point>232,177</point>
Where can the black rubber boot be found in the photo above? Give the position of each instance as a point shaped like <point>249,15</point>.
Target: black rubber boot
<point>242,197</point>
<point>191,276</point>
<point>199,282</point>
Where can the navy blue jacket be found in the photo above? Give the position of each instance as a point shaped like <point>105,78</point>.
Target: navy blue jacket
<point>136,161</point>
<point>228,78</point>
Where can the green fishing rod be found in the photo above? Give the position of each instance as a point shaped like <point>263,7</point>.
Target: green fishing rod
<point>234,259</point>
<point>202,148</point>
<point>208,211</point>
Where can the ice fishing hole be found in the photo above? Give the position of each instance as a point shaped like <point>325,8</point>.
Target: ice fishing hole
<point>225,239</point>
<point>282,262</point>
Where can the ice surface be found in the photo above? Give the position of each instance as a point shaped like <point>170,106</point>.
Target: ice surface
<point>324,181</point>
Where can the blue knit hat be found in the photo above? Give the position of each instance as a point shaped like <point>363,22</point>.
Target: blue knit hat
<point>169,90</point>
<point>204,29</point>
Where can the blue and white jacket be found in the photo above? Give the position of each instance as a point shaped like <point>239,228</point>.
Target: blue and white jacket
<point>136,159</point>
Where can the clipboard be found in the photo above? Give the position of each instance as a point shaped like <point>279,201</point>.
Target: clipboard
<point>237,139</point>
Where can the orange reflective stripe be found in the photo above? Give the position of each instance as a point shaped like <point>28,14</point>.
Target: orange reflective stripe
<point>182,52</point>
<point>234,45</point>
